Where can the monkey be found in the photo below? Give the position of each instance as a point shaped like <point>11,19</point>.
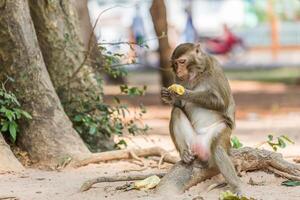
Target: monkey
<point>203,117</point>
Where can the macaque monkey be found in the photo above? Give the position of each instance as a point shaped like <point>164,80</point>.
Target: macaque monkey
<point>203,114</point>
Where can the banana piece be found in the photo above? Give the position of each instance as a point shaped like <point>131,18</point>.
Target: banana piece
<point>178,89</point>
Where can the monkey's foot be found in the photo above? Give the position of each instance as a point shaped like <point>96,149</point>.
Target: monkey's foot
<point>187,156</point>
<point>238,191</point>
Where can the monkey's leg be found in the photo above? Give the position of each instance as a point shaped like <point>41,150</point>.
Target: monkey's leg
<point>223,161</point>
<point>182,133</point>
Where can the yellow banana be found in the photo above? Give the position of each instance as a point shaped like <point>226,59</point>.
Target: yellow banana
<point>179,89</point>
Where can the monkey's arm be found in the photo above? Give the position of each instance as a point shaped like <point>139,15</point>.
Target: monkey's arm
<point>209,99</point>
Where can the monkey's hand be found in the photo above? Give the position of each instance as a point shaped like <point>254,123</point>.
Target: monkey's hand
<point>166,96</point>
<point>199,149</point>
<point>187,156</point>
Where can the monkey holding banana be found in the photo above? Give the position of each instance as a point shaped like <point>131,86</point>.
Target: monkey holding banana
<point>203,113</point>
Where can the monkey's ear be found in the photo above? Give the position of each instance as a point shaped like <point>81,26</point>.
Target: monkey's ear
<point>198,48</point>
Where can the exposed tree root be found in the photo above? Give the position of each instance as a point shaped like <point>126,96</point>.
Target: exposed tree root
<point>183,176</point>
<point>88,184</point>
<point>134,156</point>
<point>8,198</point>
<point>127,154</point>
<point>8,161</point>
<point>297,160</point>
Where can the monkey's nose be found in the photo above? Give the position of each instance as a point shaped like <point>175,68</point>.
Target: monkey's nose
<point>183,77</point>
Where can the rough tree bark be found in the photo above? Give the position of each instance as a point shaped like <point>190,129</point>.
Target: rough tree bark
<point>49,136</point>
<point>159,18</point>
<point>56,26</point>
<point>8,161</point>
<point>67,59</point>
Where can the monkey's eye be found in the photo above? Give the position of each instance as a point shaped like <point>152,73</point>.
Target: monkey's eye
<point>181,61</point>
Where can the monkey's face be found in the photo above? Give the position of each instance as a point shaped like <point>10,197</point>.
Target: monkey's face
<point>188,66</point>
<point>180,66</point>
<point>188,61</point>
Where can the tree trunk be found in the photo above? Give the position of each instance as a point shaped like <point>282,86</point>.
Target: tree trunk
<point>87,33</point>
<point>159,18</point>
<point>76,82</point>
<point>49,136</point>
<point>8,161</point>
<point>64,52</point>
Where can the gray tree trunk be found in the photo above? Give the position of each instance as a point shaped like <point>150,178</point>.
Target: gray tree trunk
<point>64,48</point>
<point>159,18</point>
<point>49,136</point>
<point>8,161</point>
<point>58,33</point>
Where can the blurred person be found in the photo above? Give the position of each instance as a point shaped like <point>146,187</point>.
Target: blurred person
<point>137,36</point>
<point>190,33</point>
<point>223,44</point>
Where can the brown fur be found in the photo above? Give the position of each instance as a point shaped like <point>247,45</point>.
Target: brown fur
<point>215,94</point>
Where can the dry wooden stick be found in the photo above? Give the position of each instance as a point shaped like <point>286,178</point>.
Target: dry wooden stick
<point>161,161</point>
<point>125,154</point>
<point>134,156</point>
<point>88,184</point>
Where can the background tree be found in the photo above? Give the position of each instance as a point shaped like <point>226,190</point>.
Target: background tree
<point>49,136</point>
<point>159,18</point>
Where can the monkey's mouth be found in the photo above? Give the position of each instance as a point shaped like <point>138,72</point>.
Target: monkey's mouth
<point>183,78</point>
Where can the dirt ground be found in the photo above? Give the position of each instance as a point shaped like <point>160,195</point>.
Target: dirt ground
<point>262,109</point>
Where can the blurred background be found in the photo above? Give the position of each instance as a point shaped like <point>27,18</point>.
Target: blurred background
<point>257,43</point>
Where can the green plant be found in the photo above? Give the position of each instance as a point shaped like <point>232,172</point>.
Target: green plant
<point>10,113</point>
<point>280,143</point>
<point>96,120</point>
<point>235,143</point>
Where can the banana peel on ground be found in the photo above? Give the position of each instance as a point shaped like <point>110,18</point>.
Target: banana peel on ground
<point>145,184</point>
<point>228,195</point>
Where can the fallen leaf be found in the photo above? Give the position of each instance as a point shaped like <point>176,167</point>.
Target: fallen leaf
<point>290,183</point>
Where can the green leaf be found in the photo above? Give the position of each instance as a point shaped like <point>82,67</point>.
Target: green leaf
<point>93,130</point>
<point>270,137</point>
<point>10,115</point>
<point>281,143</point>
<point>117,100</point>
<point>287,139</point>
<point>5,127</point>
<point>13,131</point>
<point>3,109</point>
<point>290,183</point>
<point>26,114</point>
<point>77,118</point>
<point>235,143</point>
<point>120,144</point>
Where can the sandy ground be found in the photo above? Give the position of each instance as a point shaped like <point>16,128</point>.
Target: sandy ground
<point>257,117</point>
<point>35,184</point>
